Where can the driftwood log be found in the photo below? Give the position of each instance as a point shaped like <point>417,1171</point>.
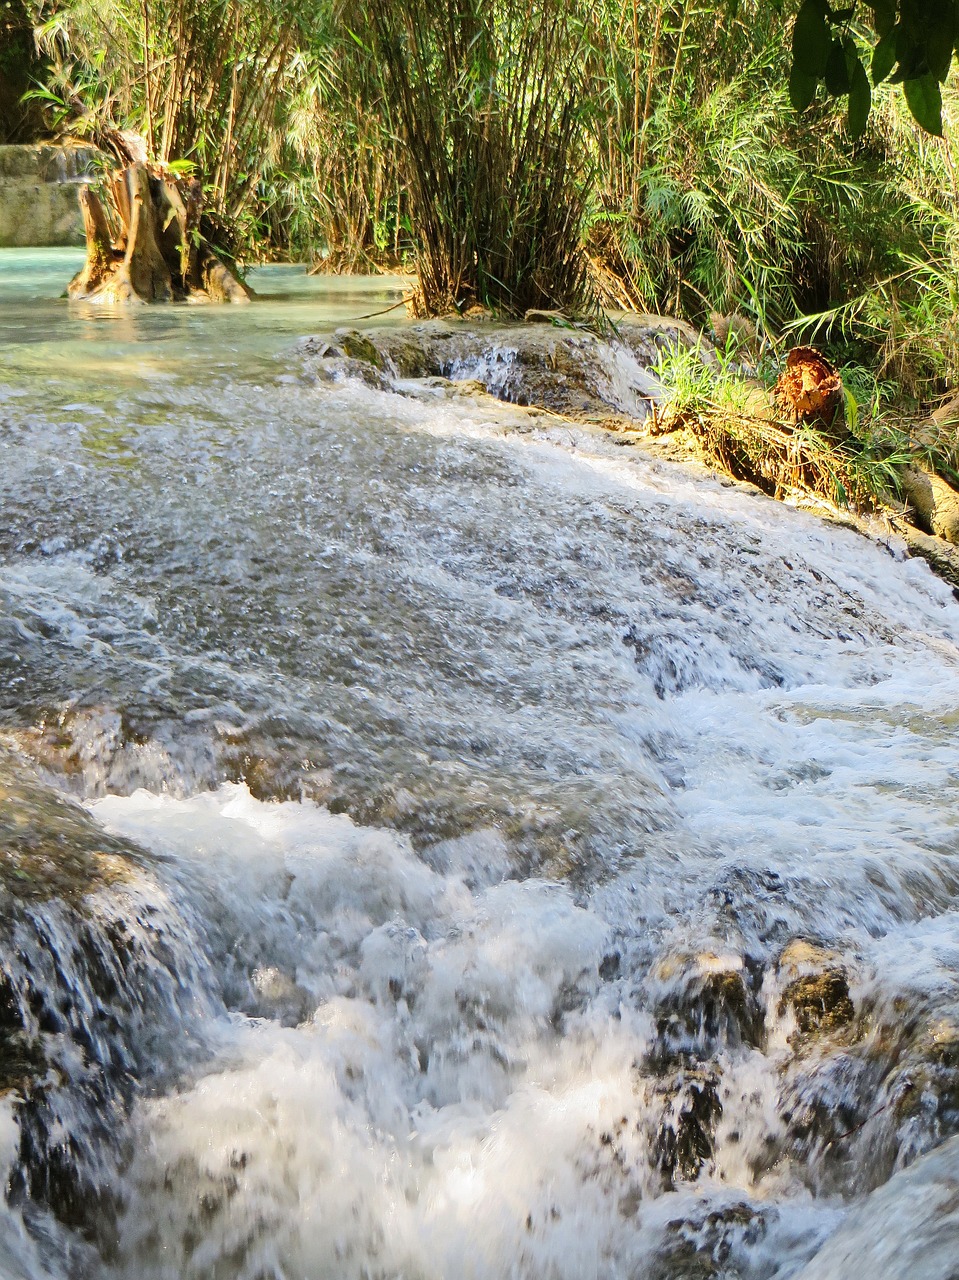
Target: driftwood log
<point>933,498</point>
<point>934,501</point>
<point>145,246</point>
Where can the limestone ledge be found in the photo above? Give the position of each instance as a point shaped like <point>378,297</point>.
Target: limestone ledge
<point>38,193</point>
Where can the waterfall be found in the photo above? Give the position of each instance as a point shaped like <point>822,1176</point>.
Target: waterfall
<point>442,841</point>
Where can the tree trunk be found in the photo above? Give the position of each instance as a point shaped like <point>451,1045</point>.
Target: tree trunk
<point>154,252</point>
<point>936,503</point>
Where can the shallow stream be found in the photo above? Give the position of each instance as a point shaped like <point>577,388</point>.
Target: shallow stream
<point>443,842</point>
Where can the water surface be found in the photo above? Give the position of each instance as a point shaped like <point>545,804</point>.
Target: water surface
<point>479,790</point>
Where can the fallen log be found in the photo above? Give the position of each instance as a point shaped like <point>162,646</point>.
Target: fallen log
<point>935,502</point>
<point>146,246</point>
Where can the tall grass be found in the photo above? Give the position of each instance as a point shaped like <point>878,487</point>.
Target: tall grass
<point>712,195</point>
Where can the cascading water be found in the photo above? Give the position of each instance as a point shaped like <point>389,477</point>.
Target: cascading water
<point>492,852</point>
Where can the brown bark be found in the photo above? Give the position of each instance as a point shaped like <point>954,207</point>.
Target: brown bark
<point>155,252</point>
<point>101,258</point>
<point>809,391</point>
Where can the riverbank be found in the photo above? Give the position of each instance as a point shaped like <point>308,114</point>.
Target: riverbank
<point>622,380</point>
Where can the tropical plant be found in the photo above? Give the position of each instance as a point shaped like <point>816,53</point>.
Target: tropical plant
<point>18,63</point>
<point>197,80</point>
<point>907,42</point>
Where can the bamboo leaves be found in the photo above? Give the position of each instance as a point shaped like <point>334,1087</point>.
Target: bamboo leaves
<point>485,97</point>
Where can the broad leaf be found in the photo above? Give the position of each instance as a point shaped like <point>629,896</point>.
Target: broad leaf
<point>812,39</point>
<point>837,74</point>
<point>802,88</point>
<point>925,102</point>
<point>860,96</point>
<point>884,57</point>
<point>884,16</point>
<point>939,29</point>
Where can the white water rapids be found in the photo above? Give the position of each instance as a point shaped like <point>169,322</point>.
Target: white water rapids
<point>475,792</point>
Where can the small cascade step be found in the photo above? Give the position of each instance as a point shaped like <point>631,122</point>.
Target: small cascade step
<point>38,194</point>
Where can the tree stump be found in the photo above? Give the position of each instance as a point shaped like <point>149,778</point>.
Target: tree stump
<point>146,245</point>
<point>809,392</point>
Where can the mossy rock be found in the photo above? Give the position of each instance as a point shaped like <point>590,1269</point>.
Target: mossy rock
<point>816,988</point>
<point>703,1003</point>
<point>820,1002</point>
<point>358,346</point>
<point>50,848</point>
<point>925,1086</point>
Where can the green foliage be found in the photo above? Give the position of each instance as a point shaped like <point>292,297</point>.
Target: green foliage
<point>731,418</point>
<point>200,81</point>
<point>501,148</point>
<point>19,119</point>
<point>484,96</point>
<point>914,43</point>
<point>713,196</point>
<point>698,381</point>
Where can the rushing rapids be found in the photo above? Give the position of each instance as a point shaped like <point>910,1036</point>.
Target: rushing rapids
<point>440,841</point>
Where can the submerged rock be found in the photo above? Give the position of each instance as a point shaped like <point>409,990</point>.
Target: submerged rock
<point>709,1244</point>
<point>906,1230</point>
<point>685,1137</point>
<point>557,367</point>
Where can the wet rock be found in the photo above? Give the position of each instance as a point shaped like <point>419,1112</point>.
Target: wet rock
<point>686,1134</point>
<point>924,1089</point>
<point>703,1003</point>
<point>278,995</point>
<point>98,748</point>
<point>49,848</point>
<point>906,1230</point>
<point>707,1245</point>
<point>358,346</point>
<point>816,990</point>
<point>89,978</point>
<point>337,368</point>
<point>827,1096</point>
<point>820,1002</point>
<point>565,370</point>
